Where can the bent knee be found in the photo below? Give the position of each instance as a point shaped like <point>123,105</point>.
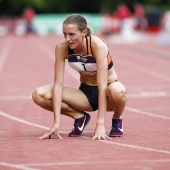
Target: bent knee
<point>116,91</point>
<point>36,96</point>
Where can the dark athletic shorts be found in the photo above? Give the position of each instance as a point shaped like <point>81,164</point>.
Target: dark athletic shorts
<point>91,93</point>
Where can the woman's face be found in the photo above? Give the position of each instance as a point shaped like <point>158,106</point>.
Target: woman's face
<point>73,36</point>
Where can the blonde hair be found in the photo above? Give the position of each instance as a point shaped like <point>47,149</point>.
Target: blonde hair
<point>80,21</point>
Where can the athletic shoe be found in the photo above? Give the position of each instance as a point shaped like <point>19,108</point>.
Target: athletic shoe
<point>117,128</point>
<point>79,125</point>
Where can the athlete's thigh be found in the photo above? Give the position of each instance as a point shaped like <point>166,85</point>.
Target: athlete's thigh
<point>76,99</point>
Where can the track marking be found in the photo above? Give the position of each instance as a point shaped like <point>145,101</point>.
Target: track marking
<point>104,141</point>
<point>25,122</point>
<point>137,147</point>
<point>22,121</point>
<point>15,97</point>
<point>136,95</point>
<point>4,52</point>
<point>97,162</point>
<point>17,166</point>
<point>27,166</point>
<point>149,94</point>
<point>146,113</point>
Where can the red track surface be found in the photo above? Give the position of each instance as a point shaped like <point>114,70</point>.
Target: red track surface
<point>27,62</point>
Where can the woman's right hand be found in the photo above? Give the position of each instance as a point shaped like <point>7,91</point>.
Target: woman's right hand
<point>52,130</point>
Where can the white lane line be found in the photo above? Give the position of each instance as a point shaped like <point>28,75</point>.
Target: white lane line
<point>149,94</point>
<point>15,97</point>
<point>135,95</point>
<point>98,162</point>
<point>22,121</point>
<point>27,166</point>
<point>4,52</point>
<point>17,166</point>
<point>137,147</point>
<point>146,113</point>
<point>25,122</point>
<point>110,142</point>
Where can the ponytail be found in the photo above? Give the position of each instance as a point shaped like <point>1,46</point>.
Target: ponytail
<point>89,31</point>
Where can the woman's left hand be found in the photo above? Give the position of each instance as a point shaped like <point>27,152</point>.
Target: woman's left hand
<point>100,132</point>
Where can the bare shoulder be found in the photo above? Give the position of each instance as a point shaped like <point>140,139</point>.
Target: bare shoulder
<point>61,49</point>
<point>98,42</point>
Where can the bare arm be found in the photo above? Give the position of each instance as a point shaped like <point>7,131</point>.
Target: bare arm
<point>58,82</point>
<point>100,52</point>
<point>60,55</point>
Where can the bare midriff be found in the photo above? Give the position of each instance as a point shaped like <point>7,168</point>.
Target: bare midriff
<point>91,80</point>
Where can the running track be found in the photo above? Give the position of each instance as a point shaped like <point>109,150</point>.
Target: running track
<point>27,62</point>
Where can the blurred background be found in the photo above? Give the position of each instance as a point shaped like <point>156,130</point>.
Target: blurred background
<point>106,17</point>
